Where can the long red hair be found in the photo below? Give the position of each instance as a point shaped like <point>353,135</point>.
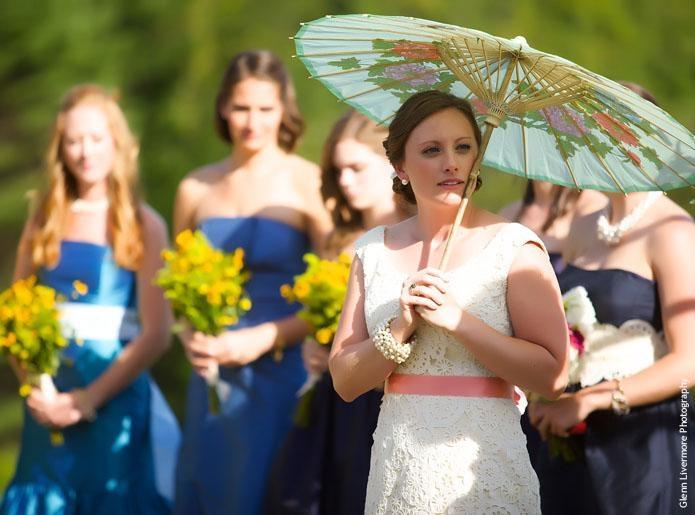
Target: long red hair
<point>124,211</point>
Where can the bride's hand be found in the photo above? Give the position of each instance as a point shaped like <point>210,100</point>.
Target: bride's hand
<point>446,314</point>
<point>422,291</point>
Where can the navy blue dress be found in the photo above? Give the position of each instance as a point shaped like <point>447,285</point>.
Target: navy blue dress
<point>225,459</point>
<point>323,468</point>
<point>631,463</point>
<point>556,261</point>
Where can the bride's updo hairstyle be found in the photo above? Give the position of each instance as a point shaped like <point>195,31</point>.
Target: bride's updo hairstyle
<point>411,114</point>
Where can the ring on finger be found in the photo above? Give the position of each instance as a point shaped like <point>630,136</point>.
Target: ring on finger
<point>411,288</point>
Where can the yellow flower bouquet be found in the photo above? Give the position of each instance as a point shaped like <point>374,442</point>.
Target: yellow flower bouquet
<point>320,290</point>
<point>206,289</point>
<point>31,336</point>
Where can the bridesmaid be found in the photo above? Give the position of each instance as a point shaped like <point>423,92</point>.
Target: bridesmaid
<point>91,226</point>
<point>634,258</point>
<point>547,209</point>
<point>266,200</point>
<point>323,468</point>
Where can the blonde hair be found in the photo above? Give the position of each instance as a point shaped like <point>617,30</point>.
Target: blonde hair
<point>124,211</point>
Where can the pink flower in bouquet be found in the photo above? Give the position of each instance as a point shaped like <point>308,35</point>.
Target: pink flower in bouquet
<point>578,429</point>
<point>576,339</point>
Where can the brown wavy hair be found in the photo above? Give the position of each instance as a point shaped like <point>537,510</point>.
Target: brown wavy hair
<point>264,65</point>
<point>347,221</point>
<point>124,211</point>
<point>411,114</point>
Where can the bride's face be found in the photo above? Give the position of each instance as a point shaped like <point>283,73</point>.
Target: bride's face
<point>439,156</point>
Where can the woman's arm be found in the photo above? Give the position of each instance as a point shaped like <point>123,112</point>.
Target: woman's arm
<point>188,196</point>
<point>672,247</point>
<point>23,266</point>
<point>356,366</point>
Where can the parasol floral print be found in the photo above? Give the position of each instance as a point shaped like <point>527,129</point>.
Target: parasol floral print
<point>555,120</point>
<point>404,68</point>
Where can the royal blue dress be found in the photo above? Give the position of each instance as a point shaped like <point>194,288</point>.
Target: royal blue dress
<point>106,466</point>
<point>225,459</point>
<point>632,462</point>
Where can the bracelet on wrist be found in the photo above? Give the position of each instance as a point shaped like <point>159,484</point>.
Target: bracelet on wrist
<point>390,348</point>
<point>619,403</point>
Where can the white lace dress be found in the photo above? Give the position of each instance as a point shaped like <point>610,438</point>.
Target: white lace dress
<point>448,454</point>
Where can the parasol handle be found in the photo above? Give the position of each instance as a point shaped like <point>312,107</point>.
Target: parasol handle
<point>467,193</point>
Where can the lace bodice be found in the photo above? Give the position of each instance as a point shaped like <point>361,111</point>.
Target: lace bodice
<point>482,293</point>
<point>448,454</point>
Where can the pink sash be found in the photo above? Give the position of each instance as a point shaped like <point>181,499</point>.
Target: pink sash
<point>460,386</point>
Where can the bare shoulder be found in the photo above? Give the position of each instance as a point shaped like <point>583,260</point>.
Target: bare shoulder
<point>590,201</point>
<point>511,210</point>
<point>306,175</point>
<point>197,182</point>
<point>305,180</point>
<point>671,226</point>
<point>153,224</point>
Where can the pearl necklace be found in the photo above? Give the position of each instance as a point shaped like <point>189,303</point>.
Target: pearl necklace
<point>89,206</point>
<point>611,233</point>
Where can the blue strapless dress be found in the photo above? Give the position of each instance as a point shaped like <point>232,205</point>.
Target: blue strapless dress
<point>106,466</point>
<point>225,459</point>
<point>631,463</point>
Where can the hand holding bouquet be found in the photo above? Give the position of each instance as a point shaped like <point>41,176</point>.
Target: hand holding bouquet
<point>321,292</point>
<point>581,320</point>
<point>30,335</point>
<point>206,289</point>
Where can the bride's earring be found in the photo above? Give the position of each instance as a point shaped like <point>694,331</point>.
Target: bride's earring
<point>404,182</point>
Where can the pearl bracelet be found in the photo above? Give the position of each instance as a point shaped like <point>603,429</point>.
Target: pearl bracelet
<point>391,348</point>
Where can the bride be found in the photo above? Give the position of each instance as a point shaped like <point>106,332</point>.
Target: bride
<point>449,344</point>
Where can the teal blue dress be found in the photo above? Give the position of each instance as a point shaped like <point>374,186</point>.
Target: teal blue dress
<point>106,466</point>
<point>225,459</point>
